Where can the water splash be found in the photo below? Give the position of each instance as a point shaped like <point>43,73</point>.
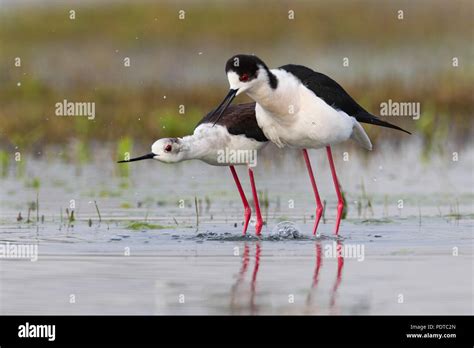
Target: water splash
<point>286,230</point>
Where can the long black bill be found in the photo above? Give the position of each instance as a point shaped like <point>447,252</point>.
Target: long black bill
<point>147,156</point>
<point>225,104</point>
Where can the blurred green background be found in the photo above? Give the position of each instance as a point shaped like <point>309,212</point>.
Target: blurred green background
<point>177,62</point>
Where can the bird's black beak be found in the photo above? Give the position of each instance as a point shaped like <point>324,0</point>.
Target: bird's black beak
<point>147,156</point>
<point>225,104</point>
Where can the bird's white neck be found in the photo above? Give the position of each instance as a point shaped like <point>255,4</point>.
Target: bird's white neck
<point>280,101</point>
<point>192,147</point>
<point>204,143</point>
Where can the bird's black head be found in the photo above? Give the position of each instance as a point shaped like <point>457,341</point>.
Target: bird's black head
<point>246,66</point>
<point>245,73</point>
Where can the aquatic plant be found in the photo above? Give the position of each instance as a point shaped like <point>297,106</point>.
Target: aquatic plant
<point>4,163</point>
<point>33,183</point>
<point>98,211</point>
<point>142,225</point>
<point>197,212</point>
<point>346,207</point>
<point>124,146</point>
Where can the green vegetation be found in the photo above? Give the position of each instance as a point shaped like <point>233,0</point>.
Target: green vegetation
<point>4,163</point>
<point>346,206</point>
<point>98,211</point>
<point>33,183</point>
<point>373,221</point>
<point>124,149</point>
<point>106,193</point>
<point>160,19</point>
<point>142,225</point>
<point>68,59</point>
<point>364,203</point>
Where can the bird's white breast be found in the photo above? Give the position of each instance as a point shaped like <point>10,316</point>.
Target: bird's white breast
<point>292,115</point>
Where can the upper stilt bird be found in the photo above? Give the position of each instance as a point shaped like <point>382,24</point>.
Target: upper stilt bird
<point>235,132</point>
<point>301,108</point>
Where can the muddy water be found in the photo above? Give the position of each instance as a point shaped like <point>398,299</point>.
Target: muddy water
<point>413,258</point>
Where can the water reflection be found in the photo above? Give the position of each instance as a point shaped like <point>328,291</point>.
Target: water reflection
<point>317,268</point>
<point>313,307</point>
<point>340,266</point>
<point>253,284</point>
<point>236,287</point>
<point>243,297</point>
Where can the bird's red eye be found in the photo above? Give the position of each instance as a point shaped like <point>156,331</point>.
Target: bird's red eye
<point>168,148</point>
<point>244,77</point>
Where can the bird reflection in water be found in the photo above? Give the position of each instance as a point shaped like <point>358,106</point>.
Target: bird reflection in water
<point>340,266</point>
<point>314,284</point>
<point>313,308</point>
<point>240,280</point>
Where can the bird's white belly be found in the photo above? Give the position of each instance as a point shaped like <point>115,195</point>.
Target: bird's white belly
<point>311,124</point>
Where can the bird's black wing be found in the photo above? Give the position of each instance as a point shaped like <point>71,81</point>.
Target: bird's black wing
<point>239,119</point>
<point>334,95</point>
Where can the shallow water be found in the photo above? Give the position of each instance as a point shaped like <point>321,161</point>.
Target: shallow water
<point>412,260</point>
<point>223,273</point>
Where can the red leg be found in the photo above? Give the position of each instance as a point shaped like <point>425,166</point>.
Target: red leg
<point>319,209</point>
<point>248,211</point>
<point>259,224</point>
<point>340,204</point>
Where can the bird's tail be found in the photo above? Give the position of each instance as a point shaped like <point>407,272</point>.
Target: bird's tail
<point>371,119</point>
<point>360,136</point>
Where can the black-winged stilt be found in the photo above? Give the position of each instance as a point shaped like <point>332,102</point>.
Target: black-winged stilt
<point>236,133</point>
<point>301,108</point>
